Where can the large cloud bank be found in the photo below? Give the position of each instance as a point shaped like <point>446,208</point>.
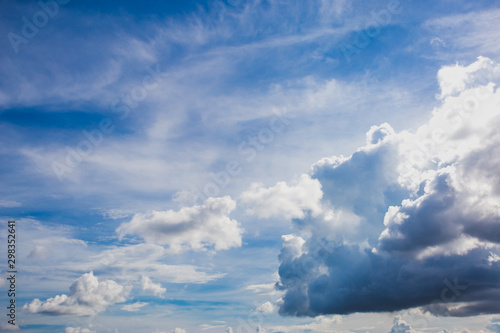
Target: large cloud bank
<point>411,219</point>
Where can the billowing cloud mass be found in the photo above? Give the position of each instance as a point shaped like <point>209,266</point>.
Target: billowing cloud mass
<point>411,219</point>
<point>87,297</point>
<point>198,227</point>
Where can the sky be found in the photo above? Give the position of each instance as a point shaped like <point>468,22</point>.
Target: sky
<point>245,166</point>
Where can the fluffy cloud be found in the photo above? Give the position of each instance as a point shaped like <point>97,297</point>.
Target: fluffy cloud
<point>401,326</point>
<point>87,297</point>
<point>198,227</point>
<point>149,285</point>
<point>267,307</point>
<point>410,219</point>
<point>283,200</point>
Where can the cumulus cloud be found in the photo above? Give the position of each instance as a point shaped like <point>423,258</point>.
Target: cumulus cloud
<point>401,326</point>
<point>284,200</point>
<point>267,307</point>
<point>411,219</point>
<point>87,297</point>
<point>198,227</point>
<point>149,285</point>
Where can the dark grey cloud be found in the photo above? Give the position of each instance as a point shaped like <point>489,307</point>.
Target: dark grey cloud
<point>409,220</point>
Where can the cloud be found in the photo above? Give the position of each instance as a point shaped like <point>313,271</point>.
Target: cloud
<point>400,326</point>
<point>134,261</point>
<point>178,330</point>
<point>455,79</point>
<point>134,307</point>
<point>494,326</point>
<point>87,297</point>
<point>198,227</point>
<point>9,204</point>
<point>9,327</point>
<point>267,307</point>
<point>149,285</point>
<point>410,219</point>
<point>283,200</point>
<point>319,324</point>
<point>78,330</point>
<point>263,289</point>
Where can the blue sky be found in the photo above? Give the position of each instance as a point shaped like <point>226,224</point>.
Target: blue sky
<point>252,165</point>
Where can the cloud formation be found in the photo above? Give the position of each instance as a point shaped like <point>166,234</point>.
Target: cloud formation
<point>78,330</point>
<point>410,219</point>
<point>134,307</point>
<point>149,285</point>
<point>267,307</point>
<point>401,326</point>
<point>87,297</point>
<point>199,228</point>
<point>283,200</point>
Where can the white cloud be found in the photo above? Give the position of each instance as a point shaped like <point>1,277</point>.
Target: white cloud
<point>469,33</point>
<point>319,324</point>
<point>78,330</point>
<point>455,79</point>
<point>267,307</point>
<point>134,307</point>
<point>400,326</point>
<point>9,204</point>
<point>9,327</point>
<point>133,261</point>
<point>149,285</point>
<point>198,227</point>
<point>263,289</point>
<point>284,200</point>
<point>87,297</point>
<point>178,330</point>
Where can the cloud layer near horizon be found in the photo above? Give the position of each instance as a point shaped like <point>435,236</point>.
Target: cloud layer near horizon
<point>410,219</point>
